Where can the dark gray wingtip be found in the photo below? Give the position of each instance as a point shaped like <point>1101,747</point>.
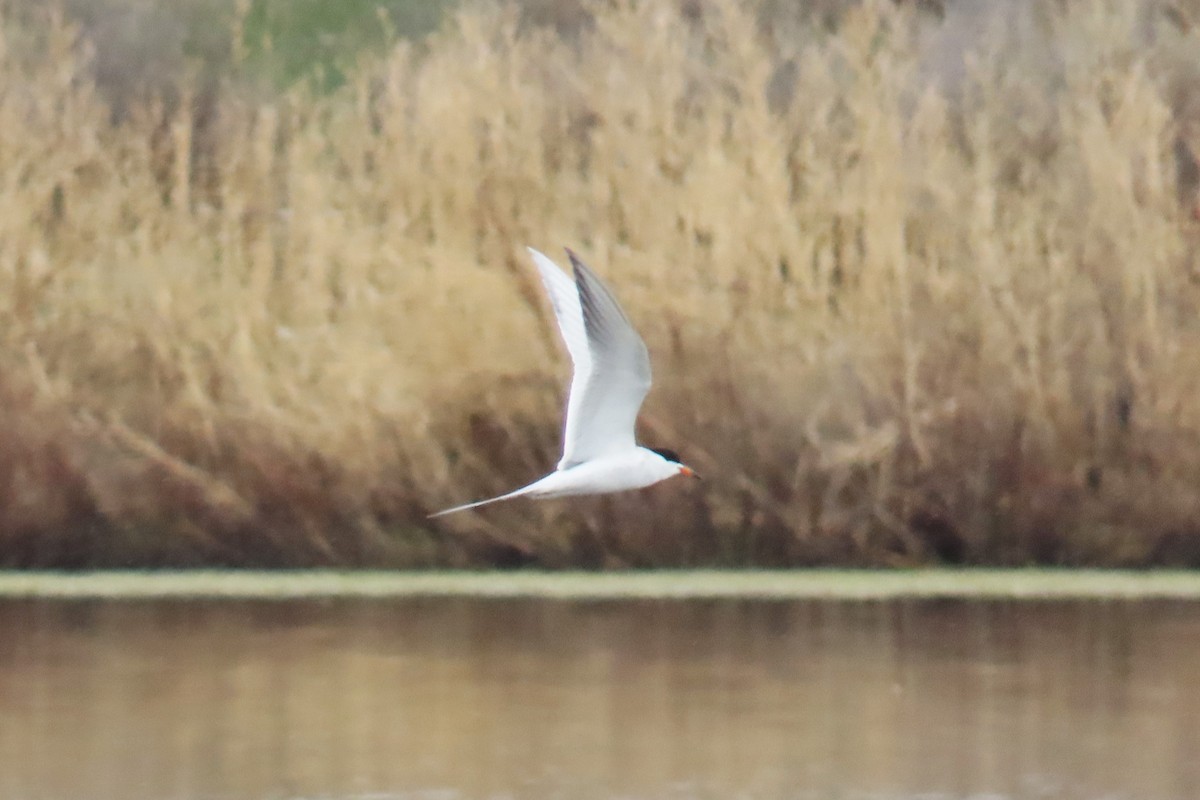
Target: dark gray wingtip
<point>578,267</point>
<point>576,261</point>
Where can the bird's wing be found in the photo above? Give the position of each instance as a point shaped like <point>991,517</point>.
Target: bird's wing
<point>610,383</point>
<point>564,298</point>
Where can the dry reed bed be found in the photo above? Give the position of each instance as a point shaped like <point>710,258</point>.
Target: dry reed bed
<point>903,308</point>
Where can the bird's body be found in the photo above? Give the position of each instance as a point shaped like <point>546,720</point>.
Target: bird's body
<point>612,377</point>
<point>615,473</point>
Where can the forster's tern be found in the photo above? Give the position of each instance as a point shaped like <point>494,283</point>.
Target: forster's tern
<point>612,376</point>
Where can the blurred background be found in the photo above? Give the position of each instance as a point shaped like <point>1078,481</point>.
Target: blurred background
<point>919,281</point>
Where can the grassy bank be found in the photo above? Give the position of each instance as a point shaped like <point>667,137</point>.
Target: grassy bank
<point>918,288</point>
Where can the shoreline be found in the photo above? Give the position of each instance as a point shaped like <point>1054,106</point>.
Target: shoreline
<point>818,584</point>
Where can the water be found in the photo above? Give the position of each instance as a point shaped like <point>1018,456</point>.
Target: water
<point>457,698</point>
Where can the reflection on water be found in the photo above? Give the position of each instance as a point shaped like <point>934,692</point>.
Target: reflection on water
<point>486,698</point>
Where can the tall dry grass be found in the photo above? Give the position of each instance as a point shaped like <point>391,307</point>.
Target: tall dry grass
<point>917,287</point>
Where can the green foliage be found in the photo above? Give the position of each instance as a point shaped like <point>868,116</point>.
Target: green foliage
<point>290,40</point>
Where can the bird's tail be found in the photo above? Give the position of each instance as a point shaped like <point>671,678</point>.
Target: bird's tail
<point>478,503</point>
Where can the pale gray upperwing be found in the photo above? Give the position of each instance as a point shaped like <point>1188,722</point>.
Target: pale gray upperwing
<point>605,397</point>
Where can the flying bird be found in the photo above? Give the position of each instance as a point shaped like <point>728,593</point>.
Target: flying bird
<point>612,377</point>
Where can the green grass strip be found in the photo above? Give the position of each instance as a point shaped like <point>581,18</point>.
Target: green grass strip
<point>794,584</point>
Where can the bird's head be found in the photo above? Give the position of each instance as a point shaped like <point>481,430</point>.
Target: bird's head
<point>673,458</point>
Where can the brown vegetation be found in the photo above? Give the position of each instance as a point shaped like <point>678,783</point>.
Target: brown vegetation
<point>918,287</point>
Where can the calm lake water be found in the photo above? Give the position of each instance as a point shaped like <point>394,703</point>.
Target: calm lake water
<point>454,698</point>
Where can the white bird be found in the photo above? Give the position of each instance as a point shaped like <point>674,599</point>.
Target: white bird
<point>612,377</point>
